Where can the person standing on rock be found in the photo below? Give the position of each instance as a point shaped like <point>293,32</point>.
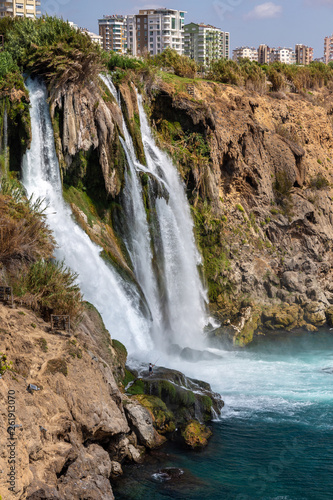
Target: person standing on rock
<point>150,369</point>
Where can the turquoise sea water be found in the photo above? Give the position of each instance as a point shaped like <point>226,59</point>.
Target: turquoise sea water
<point>275,436</point>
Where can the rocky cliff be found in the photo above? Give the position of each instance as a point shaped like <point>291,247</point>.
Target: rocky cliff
<point>68,437</point>
<point>258,170</point>
<point>68,425</point>
<point>258,173</point>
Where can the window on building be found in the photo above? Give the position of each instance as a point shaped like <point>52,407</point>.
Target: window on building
<point>173,23</point>
<point>151,39</point>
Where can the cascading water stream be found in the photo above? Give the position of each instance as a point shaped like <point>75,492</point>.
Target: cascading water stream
<point>118,302</point>
<point>185,295</point>
<point>136,229</point>
<point>177,304</point>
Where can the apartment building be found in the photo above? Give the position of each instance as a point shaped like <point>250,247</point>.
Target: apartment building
<point>205,43</point>
<point>304,54</point>
<point>154,30</point>
<point>265,54</point>
<point>245,53</point>
<point>328,49</point>
<point>20,8</point>
<point>284,55</point>
<point>113,30</point>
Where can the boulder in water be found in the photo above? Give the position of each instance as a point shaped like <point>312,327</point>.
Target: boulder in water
<point>193,355</point>
<point>196,435</point>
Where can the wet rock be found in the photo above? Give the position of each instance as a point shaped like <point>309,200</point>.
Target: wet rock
<point>163,419</point>
<point>194,355</point>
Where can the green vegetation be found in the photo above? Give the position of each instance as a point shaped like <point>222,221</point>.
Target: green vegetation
<point>319,182</point>
<point>4,364</point>
<point>51,48</point>
<point>138,387</point>
<point>212,242</point>
<point>120,350</point>
<point>245,73</point>
<point>26,247</point>
<point>51,288</point>
<point>43,344</point>
<point>190,150</point>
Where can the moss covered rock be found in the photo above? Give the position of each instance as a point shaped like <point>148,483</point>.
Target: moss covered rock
<point>196,435</point>
<point>315,313</point>
<point>283,317</point>
<point>163,419</point>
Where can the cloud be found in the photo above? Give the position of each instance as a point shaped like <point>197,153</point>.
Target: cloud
<point>267,10</point>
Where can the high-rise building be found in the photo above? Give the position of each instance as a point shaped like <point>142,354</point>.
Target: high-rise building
<point>304,54</point>
<point>149,32</point>
<point>20,8</point>
<point>154,30</point>
<point>265,54</point>
<point>328,49</point>
<point>113,31</point>
<point>205,43</point>
<point>245,53</point>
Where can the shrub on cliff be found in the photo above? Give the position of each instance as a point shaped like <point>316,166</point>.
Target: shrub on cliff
<point>50,287</point>
<point>24,234</point>
<point>51,48</point>
<point>182,65</point>
<point>26,246</point>
<point>226,71</point>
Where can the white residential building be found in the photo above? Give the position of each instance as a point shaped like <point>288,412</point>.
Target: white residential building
<point>284,55</point>
<point>20,8</point>
<point>154,30</point>
<point>205,43</point>
<point>245,53</point>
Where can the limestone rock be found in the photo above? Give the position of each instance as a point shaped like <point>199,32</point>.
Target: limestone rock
<point>142,423</point>
<point>315,313</point>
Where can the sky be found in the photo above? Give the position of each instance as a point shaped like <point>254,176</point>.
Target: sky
<point>250,22</point>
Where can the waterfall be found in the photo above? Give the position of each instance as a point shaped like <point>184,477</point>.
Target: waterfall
<point>163,252</point>
<point>177,304</point>
<point>118,302</point>
<point>185,297</point>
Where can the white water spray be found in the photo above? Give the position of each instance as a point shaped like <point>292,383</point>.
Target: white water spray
<point>118,303</point>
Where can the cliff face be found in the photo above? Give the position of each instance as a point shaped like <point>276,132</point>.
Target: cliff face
<point>258,173</point>
<point>258,170</point>
<point>71,435</point>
